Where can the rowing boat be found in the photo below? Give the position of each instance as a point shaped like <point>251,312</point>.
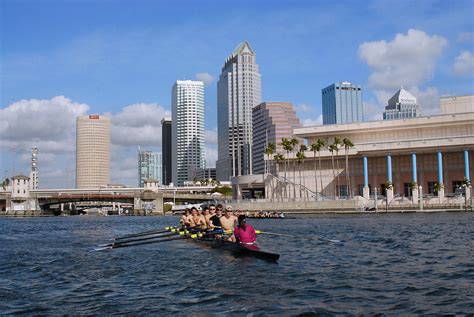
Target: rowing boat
<point>235,248</point>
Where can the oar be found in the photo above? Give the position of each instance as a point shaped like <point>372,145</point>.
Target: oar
<point>145,233</point>
<point>297,237</point>
<point>149,237</point>
<point>124,245</point>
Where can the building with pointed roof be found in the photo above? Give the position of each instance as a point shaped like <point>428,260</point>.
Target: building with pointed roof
<point>402,105</point>
<point>238,91</point>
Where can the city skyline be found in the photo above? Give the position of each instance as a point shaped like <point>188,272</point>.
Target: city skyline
<point>111,67</point>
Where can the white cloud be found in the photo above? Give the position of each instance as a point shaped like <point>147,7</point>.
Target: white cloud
<point>303,108</point>
<point>464,64</point>
<point>138,124</point>
<point>205,77</point>
<point>211,155</point>
<point>49,124</point>
<point>408,59</point>
<point>309,122</point>
<point>211,137</point>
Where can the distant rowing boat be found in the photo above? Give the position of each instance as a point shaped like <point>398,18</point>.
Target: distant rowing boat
<point>235,247</point>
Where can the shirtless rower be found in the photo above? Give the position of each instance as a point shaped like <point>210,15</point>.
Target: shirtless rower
<point>228,222</point>
<point>198,220</point>
<point>187,219</point>
<point>207,217</point>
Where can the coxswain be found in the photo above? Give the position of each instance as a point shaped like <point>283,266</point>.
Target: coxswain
<point>244,233</point>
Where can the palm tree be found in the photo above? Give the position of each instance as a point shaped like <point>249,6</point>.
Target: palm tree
<point>269,152</point>
<point>316,147</point>
<point>301,156</point>
<point>321,143</point>
<point>278,158</point>
<point>347,145</point>
<point>294,142</point>
<point>337,143</point>
<point>331,149</point>
<point>288,147</point>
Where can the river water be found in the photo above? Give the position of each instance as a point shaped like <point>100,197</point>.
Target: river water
<point>393,264</point>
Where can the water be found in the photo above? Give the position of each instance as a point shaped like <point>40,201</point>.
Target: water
<point>390,264</point>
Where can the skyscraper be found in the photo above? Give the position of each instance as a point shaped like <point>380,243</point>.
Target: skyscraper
<point>149,166</point>
<point>187,130</point>
<point>166,151</point>
<point>402,105</point>
<point>272,121</point>
<point>342,103</point>
<point>92,151</point>
<point>238,91</point>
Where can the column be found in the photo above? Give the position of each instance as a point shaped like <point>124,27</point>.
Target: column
<point>466,174</point>
<point>414,190</point>
<point>440,177</point>
<point>366,192</point>
<point>389,193</point>
<point>466,165</point>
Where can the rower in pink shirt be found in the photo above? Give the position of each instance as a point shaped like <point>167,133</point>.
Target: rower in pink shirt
<point>245,233</point>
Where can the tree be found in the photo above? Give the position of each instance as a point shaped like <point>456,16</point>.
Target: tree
<point>337,143</point>
<point>347,145</point>
<point>294,142</point>
<point>316,147</point>
<point>301,156</point>
<point>288,147</point>
<point>270,149</point>
<point>5,183</point>
<point>278,158</point>
<point>321,143</point>
<point>331,149</point>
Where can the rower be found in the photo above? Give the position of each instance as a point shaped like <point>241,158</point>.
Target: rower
<point>216,215</point>
<point>187,219</point>
<point>198,220</point>
<point>245,233</point>
<point>207,217</point>
<point>228,222</point>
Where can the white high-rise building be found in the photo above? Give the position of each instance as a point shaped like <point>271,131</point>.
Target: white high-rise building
<point>238,91</point>
<point>187,129</point>
<point>34,181</point>
<point>92,151</point>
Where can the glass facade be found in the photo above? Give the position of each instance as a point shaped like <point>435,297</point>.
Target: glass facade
<point>149,166</point>
<point>342,103</point>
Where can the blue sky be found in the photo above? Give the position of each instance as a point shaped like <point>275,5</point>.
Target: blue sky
<point>121,58</point>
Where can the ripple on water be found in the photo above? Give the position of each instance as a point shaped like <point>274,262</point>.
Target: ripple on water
<point>406,264</point>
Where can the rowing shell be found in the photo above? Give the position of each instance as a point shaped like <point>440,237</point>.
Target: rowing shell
<point>237,248</point>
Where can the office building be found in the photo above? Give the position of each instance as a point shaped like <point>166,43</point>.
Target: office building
<point>166,151</point>
<point>402,105</point>
<point>238,91</point>
<point>188,150</point>
<point>342,103</point>
<point>272,121</point>
<point>457,104</point>
<point>206,173</point>
<point>92,151</point>
<point>149,167</point>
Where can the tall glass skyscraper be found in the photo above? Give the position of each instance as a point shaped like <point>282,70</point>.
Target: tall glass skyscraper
<point>187,129</point>
<point>149,166</point>
<point>166,150</point>
<point>342,103</point>
<point>238,91</point>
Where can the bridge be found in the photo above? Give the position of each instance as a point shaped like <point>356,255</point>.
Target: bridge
<point>136,200</point>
